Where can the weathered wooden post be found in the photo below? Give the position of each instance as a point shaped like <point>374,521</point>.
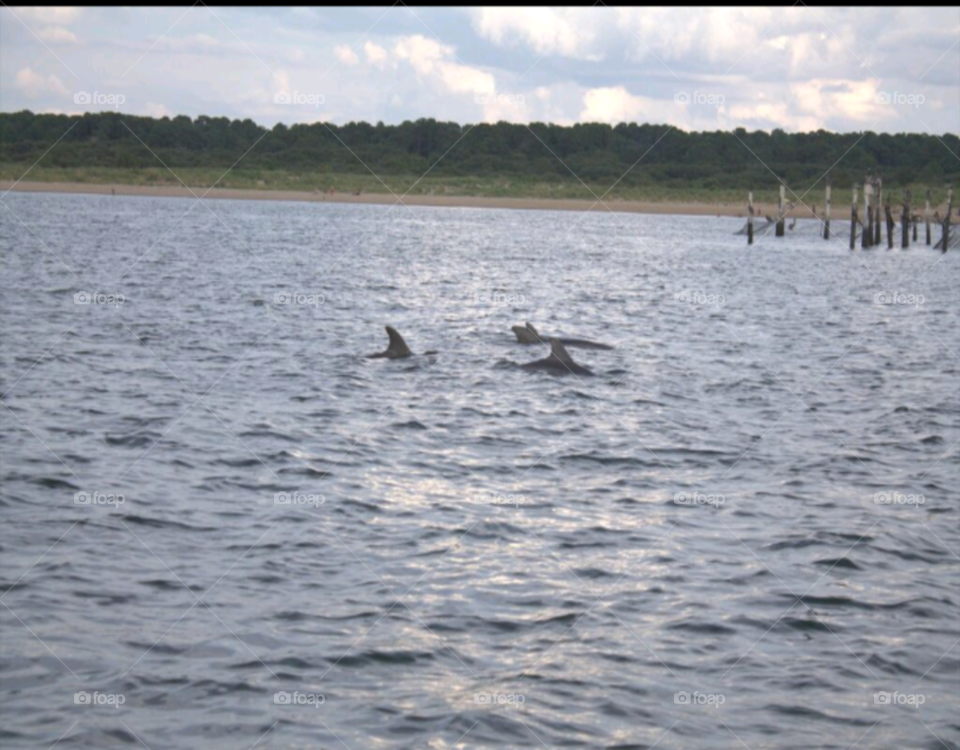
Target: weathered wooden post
<point>826,214</point>
<point>890,224</point>
<point>750,217</point>
<point>946,222</point>
<point>926,215</point>
<point>879,202</point>
<point>905,222</point>
<point>783,193</point>
<point>853,218</point>
<point>867,236</point>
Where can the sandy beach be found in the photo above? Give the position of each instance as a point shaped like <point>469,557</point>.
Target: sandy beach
<point>643,207</point>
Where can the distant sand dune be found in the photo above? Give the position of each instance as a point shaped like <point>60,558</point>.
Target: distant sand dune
<point>643,207</point>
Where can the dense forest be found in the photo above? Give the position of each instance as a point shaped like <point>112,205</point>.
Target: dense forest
<point>596,153</point>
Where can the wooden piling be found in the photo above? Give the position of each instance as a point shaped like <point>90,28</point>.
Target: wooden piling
<point>783,194</point>
<point>879,202</point>
<point>853,218</point>
<point>826,214</point>
<point>905,222</point>
<point>867,236</point>
<point>890,224</point>
<point>926,215</point>
<point>946,222</point>
<point>750,217</point>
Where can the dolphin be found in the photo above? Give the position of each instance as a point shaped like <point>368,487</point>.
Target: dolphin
<point>530,335</point>
<point>397,349</point>
<point>527,334</point>
<point>559,362</point>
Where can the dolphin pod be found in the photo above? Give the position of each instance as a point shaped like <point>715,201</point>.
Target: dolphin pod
<point>559,361</point>
<point>529,335</point>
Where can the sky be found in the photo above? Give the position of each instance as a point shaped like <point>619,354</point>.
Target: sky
<point>799,69</point>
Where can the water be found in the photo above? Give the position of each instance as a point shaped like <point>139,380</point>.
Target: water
<point>482,530</point>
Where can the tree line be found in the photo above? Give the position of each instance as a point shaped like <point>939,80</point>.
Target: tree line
<point>592,152</point>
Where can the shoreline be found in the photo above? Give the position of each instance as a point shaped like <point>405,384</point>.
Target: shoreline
<point>459,201</point>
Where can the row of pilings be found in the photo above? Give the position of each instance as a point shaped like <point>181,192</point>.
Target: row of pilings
<point>876,212</point>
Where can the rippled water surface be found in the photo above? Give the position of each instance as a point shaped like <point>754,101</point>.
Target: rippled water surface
<point>477,556</point>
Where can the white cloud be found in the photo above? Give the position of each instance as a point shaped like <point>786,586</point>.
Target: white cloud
<point>429,59</point>
<point>57,35</point>
<point>825,99</point>
<point>779,43</point>
<point>33,84</point>
<point>507,108</point>
<point>769,115</point>
<point>281,81</point>
<point>612,104</point>
<point>422,53</point>
<point>376,55</point>
<point>553,31</point>
<point>156,110</point>
<point>346,55</point>
<point>196,41</point>
<point>795,69</point>
<point>48,15</point>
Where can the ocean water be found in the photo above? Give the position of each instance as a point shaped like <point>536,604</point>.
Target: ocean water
<point>222,527</point>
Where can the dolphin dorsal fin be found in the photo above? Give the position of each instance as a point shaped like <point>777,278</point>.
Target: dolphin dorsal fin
<point>398,347</point>
<point>558,350</point>
<point>532,330</point>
